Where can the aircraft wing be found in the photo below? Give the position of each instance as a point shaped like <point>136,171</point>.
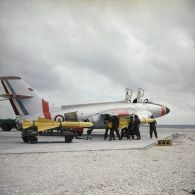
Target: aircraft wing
<point>118,113</point>
<point>144,116</point>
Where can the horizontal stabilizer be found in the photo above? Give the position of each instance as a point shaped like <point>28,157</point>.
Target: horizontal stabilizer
<point>14,96</point>
<point>9,78</point>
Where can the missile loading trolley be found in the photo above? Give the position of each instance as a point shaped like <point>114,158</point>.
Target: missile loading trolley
<point>31,129</point>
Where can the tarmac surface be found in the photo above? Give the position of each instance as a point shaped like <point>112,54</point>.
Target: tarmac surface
<point>11,142</point>
<point>94,167</point>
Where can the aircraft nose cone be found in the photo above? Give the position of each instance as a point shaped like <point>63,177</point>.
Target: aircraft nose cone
<point>167,110</point>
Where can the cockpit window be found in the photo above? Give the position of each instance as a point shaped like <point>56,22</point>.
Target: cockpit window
<point>146,101</point>
<point>137,100</point>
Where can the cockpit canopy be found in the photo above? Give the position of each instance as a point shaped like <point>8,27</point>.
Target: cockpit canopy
<point>141,101</point>
<point>138,97</point>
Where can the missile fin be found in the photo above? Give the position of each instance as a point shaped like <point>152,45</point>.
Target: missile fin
<point>44,120</point>
<point>46,126</point>
<point>26,124</point>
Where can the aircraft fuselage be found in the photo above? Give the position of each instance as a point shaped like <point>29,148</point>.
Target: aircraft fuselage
<point>95,112</point>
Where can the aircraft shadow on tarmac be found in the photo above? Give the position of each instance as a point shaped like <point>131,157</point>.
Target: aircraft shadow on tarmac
<point>84,138</point>
<point>45,142</point>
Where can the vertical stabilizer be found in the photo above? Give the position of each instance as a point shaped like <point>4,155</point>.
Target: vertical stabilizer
<point>24,100</point>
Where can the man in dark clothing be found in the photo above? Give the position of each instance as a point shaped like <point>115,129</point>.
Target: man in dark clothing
<point>131,127</point>
<point>115,125</point>
<point>106,121</point>
<point>136,127</point>
<point>108,124</point>
<point>111,130</point>
<point>153,128</point>
<point>125,133</point>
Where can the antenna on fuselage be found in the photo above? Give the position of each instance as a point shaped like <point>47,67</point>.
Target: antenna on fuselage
<point>128,94</point>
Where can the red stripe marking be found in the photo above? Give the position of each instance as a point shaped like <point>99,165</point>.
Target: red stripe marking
<point>162,111</point>
<point>45,107</point>
<point>11,100</point>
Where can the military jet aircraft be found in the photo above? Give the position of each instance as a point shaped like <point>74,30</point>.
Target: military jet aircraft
<point>27,105</point>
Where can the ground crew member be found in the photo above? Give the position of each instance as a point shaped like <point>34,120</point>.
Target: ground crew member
<point>106,121</point>
<point>124,133</point>
<point>131,127</point>
<point>111,130</point>
<point>136,127</point>
<point>108,125</point>
<point>115,125</point>
<point>153,128</point>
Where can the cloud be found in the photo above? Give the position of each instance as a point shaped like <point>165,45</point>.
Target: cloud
<point>90,51</point>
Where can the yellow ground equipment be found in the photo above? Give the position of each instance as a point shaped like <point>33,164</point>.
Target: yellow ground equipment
<point>164,142</point>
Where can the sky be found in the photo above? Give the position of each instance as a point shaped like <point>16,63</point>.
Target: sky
<point>89,51</point>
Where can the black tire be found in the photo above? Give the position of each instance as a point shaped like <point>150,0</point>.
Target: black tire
<point>68,139</point>
<point>26,139</point>
<point>33,139</point>
<point>80,133</point>
<point>5,127</point>
<point>89,132</point>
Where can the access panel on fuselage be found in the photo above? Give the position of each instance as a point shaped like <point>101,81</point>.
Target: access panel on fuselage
<point>71,116</point>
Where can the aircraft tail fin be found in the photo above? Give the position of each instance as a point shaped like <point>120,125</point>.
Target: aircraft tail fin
<point>24,100</point>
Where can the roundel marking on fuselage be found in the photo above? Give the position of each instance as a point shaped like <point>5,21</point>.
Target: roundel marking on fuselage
<point>59,117</point>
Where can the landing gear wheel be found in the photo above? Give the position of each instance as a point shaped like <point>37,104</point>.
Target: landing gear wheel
<point>68,139</point>
<point>25,139</point>
<point>89,132</point>
<point>33,140</point>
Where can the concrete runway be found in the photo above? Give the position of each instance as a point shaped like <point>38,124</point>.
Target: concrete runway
<point>97,166</point>
<point>11,142</point>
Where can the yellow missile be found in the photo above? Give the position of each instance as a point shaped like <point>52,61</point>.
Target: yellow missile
<point>123,122</point>
<point>43,124</point>
<point>146,120</point>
